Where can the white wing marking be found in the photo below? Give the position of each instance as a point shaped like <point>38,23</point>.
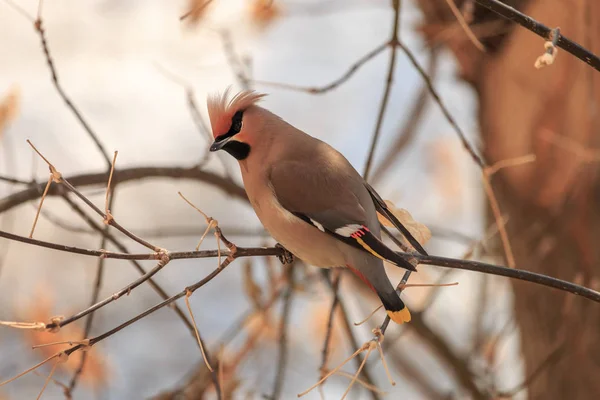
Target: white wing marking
<point>318,225</point>
<point>348,230</point>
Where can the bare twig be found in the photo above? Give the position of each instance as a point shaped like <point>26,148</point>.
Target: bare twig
<point>351,339</point>
<point>48,378</point>
<point>552,357</point>
<point>388,87</point>
<point>461,135</point>
<point>200,344</point>
<point>20,10</point>
<point>197,9</point>
<point>541,30</point>
<point>15,181</point>
<point>260,251</point>
<point>235,63</point>
<point>325,351</point>
<point>157,288</point>
<point>78,115</point>
<point>333,371</point>
<point>126,290</point>
<point>464,25</point>
<point>166,302</point>
<point>39,209</point>
<point>337,82</point>
<point>177,255</point>
<point>95,294</point>
<point>126,175</point>
<point>415,116</point>
<point>456,365</point>
<point>283,333</point>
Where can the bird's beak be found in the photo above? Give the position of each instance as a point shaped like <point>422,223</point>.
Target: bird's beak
<point>218,144</point>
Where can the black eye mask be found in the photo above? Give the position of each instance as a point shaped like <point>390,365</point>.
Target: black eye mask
<point>236,127</point>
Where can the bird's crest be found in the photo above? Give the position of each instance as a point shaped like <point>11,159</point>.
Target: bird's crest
<point>221,110</point>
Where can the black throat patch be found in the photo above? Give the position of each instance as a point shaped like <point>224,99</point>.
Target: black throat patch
<point>237,149</point>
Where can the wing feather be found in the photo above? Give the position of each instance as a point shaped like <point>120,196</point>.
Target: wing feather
<point>328,201</point>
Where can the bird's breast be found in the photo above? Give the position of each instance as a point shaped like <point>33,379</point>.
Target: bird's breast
<point>301,239</point>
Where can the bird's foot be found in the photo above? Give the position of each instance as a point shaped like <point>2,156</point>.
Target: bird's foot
<point>286,257</point>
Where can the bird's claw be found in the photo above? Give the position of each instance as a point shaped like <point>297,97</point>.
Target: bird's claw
<point>286,257</point>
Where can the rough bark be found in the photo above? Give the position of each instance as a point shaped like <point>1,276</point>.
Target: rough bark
<point>554,203</point>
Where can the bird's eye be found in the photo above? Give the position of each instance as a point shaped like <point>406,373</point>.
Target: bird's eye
<point>236,126</point>
<point>236,123</point>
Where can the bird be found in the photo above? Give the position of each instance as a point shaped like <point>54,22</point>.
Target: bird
<point>307,195</point>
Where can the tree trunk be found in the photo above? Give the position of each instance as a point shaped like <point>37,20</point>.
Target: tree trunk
<point>554,203</point>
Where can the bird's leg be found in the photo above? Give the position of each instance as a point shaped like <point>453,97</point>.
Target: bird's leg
<point>286,257</point>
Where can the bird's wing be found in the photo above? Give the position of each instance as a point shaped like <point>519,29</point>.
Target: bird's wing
<point>325,198</point>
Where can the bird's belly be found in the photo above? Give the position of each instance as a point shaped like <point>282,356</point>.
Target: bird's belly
<point>301,239</point>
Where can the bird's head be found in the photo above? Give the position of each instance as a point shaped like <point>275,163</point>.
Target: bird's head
<point>232,122</point>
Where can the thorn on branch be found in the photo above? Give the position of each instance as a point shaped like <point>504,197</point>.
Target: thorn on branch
<point>37,326</point>
<point>188,293</point>
<point>108,216</point>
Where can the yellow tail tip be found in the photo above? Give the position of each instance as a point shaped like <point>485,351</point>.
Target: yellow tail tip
<point>399,317</point>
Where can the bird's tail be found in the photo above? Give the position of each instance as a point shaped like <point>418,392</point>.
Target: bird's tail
<point>395,307</point>
<point>378,282</point>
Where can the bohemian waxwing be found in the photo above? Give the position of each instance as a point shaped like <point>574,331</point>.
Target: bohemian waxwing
<point>306,194</point>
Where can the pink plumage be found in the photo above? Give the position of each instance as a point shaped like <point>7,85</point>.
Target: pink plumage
<point>221,110</point>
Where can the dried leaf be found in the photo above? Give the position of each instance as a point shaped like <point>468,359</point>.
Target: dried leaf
<point>417,229</point>
<point>9,107</point>
<point>196,11</point>
<point>96,370</point>
<point>264,12</point>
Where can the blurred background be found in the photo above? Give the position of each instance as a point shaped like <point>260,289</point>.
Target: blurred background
<point>138,70</point>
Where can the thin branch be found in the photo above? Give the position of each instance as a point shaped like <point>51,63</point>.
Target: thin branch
<point>19,10</point>
<point>325,351</point>
<point>476,158</point>
<point>126,175</point>
<point>196,9</point>
<point>349,331</point>
<point>108,219</point>
<point>282,359</point>
<point>519,274</point>
<point>95,295</point>
<point>552,357</point>
<point>464,25</point>
<point>149,311</point>
<point>262,251</point>
<point>42,33</point>
<point>387,90</point>
<point>39,208</point>
<point>14,181</point>
<point>541,30</point>
<point>198,338</point>
<point>48,378</point>
<point>334,84</point>
<point>461,135</point>
<point>456,365</point>
<point>177,255</point>
<point>415,116</point>
<point>234,62</point>
<point>56,176</point>
<point>126,290</point>
<point>157,288</point>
